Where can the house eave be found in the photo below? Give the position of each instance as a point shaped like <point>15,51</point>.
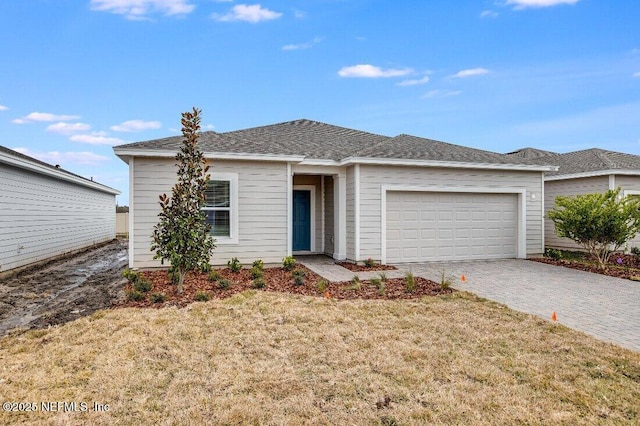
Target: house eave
<point>58,174</point>
<point>125,153</point>
<point>447,164</point>
<point>594,173</point>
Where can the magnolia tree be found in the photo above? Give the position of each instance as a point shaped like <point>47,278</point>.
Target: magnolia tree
<point>182,234</point>
<point>600,223</point>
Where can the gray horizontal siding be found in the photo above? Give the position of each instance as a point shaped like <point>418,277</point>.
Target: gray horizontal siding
<point>568,188</point>
<point>43,217</point>
<point>373,177</point>
<point>262,209</point>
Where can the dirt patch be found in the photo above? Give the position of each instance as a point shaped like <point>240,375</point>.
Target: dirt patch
<point>63,290</point>
<point>276,280</point>
<point>627,267</point>
<point>354,267</point>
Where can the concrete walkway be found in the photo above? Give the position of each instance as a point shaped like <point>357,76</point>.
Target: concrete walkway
<point>605,307</point>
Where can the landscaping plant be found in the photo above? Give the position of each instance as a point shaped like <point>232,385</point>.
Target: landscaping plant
<point>599,223</point>
<point>288,263</point>
<point>182,235</point>
<point>234,264</point>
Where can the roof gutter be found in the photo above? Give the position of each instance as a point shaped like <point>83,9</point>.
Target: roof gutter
<point>449,164</point>
<point>58,174</point>
<point>124,154</point>
<point>594,173</point>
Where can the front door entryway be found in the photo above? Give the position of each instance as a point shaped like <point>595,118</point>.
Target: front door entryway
<point>301,220</point>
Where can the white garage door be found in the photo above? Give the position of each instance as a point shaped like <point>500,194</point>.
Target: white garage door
<point>425,226</point>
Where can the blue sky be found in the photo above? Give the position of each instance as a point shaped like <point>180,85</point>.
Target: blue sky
<point>78,77</point>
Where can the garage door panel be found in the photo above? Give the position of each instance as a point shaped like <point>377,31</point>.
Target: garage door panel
<point>450,226</point>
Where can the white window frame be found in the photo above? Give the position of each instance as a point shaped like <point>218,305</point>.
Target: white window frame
<point>232,178</point>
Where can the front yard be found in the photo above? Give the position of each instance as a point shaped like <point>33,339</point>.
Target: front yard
<point>262,357</point>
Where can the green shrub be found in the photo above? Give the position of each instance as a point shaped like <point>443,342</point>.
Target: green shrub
<point>409,282</point>
<point>322,285</point>
<point>234,264</point>
<point>157,297</point>
<point>135,295</point>
<point>298,276</point>
<point>369,263</point>
<point>355,283</point>
<point>635,251</point>
<point>256,272</point>
<point>223,283</point>
<point>258,264</point>
<point>377,282</point>
<point>202,296</point>
<point>259,283</point>
<point>214,276</point>
<point>130,275</point>
<point>205,268</point>
<point>142,285</point>
<point>552,253</point>
<point>383,277</point>
<point>288,263</point>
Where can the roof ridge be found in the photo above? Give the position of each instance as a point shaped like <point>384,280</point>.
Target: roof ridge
<point>304,120</point>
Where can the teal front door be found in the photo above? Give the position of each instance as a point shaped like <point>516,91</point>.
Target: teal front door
<point>301,220</point>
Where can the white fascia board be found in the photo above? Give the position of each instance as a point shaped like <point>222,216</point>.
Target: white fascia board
<point>58,174</point>
<point>448,164</point>
<point>319,162</point>
<point>209,155</point>
<point>593,174</point>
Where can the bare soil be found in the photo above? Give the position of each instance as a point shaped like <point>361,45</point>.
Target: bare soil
<point>276,280</point>
<point>619,265</point>
<point>65,289</point>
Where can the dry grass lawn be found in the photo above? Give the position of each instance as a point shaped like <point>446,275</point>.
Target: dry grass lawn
<point>269,358</point>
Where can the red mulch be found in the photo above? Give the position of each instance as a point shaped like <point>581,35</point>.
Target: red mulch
<point>626,270</point>
<point>277,280</point>
<point>354,267</point>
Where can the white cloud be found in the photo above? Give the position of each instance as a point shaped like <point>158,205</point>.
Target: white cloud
<point>488,14</point>
<point>208,127</point>
<point>524,4</point>
<point>139,9</point>
<point>55,157</point>
<point>248,13</point>
<point>415,82</point>
<point>441,94</point>
<point>371,71</point>
<point>44,116</point>
<point>136,126</point>
<point>470,72</point>
<point>636,74</point>
<point>299,14</point>
<point>68,128</point>
<point>96,138</point>
<point>3,108</point>
<point>301,46</point>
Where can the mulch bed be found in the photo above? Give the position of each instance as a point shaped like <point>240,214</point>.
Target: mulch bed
<point>277,280</point>
<point>354,267</point>
<point>630,267</point>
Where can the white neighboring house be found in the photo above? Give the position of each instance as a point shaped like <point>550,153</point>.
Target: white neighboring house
<point>307,187</point>
<point>46,211</point>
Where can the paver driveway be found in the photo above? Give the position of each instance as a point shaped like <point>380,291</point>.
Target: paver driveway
<point>605,307</point>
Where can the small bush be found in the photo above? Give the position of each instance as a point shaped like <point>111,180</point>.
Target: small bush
<point>256,272</point>
<point>142,285</point>
<point>370,263</point>
<point>445,282</point>
<point>298,276</point>
<point>223,283</point>
<point>322,285</point>
<point>234,264</point>
<point>383,277</point>
<point>288,263</point>
<point>206,268</point>
<point>355,283</point>
<point>379,285</point>
<point>130,275</point>
<point>135,295</point>
<point>553,254</point>
<point>258,264</point>
<point>202,296</point>
<point>258,283</point>
<point>635,251</point>
<point>157,297</point>
<point>214,276</point>
<point>409,282</point>
<point>173,275</point>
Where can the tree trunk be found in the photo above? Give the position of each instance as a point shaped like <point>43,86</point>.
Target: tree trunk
<point>181,274</point>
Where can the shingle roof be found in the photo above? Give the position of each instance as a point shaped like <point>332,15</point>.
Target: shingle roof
<point>315,140</point>
<point>531,153</point>
<point>593,160</point>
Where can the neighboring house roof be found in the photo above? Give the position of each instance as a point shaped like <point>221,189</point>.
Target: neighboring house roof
<point>588,162</point>
<point>531,153</point>
<point>17,159</point>
<point>313,142</point>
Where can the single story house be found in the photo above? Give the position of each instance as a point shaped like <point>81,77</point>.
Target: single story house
<point>48,211</point>
<point>582,172</point>
<point>308,187</point>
